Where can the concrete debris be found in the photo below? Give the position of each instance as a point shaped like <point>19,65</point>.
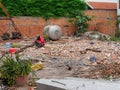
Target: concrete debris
<point>97,35</point>
<point>76,84</point>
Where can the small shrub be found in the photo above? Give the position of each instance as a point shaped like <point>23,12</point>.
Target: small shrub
<point>13,67</point>
<point>81,23</point>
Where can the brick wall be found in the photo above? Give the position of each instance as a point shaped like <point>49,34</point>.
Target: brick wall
<point>32,26</point>
<point>104,21</point>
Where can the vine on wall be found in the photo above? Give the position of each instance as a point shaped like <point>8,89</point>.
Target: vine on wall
<point>44,8</point>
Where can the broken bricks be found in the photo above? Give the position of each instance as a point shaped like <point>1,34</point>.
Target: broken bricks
<point>78,50</point>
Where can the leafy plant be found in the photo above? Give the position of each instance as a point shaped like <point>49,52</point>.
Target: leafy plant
<point>81,23</point>
<point>13,67</point>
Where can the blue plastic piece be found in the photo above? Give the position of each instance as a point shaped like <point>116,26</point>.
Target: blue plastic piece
<point>93,59</point>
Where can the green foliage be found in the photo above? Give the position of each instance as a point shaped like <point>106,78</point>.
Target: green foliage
<point>44,8</point>
<point>47,39</point>
<point>82,23</point>
<point>13,67</point>
<point>114,38</point>
<point>117,33</point>
<point>118,22</point>
<point>15,46</point>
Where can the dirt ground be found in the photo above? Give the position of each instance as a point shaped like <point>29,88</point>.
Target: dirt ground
<point>73,57</point>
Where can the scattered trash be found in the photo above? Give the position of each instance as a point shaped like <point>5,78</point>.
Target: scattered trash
<point>53,59</point>
<point>75,52</point>
<point>89,49</point>
<point>32,88</point>
<point>97,35</point>
<point>12,50</point>
<point>69,67</point>
<point>39,42</point>
<point>8,45</point>
<point>93,59</point>
<point>94,36</point>
<point>15,45</point>
<point>37,66</point>
<point>93,50</point>
<point>91,43</point>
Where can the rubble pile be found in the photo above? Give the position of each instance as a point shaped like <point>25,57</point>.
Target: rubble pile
<point>71,48</point>
<point>100,71</point>
<point>111,70</point>
<point>75,57</point>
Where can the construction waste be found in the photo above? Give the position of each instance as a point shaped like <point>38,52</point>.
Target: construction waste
<point>75,57</point>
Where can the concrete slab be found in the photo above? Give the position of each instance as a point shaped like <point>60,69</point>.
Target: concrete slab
<point>56,84</point>
<point>76,84</point>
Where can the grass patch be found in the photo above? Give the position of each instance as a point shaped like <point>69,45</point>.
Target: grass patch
<point>114,38</point>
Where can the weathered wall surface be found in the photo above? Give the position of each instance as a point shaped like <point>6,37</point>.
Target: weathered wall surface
<point>103,21</point>
<point>32,26</point>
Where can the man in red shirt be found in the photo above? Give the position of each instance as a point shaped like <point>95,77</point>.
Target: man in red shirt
<point>39,42</point>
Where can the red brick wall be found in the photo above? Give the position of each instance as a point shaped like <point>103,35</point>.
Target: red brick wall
<point>104,20</point>
<point>63,22</point>
<point>32,26</point>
